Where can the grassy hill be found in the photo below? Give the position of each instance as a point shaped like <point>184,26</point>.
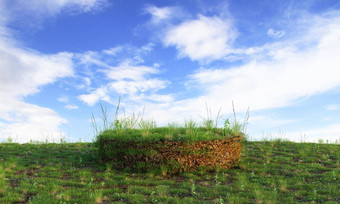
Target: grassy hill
<point>269,172</point>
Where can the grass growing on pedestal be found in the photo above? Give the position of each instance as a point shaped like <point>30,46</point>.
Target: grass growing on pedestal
<point>169,151</point>
<point>131,142</point>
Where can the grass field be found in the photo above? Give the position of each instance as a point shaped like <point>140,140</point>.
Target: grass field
<point>269,172</point>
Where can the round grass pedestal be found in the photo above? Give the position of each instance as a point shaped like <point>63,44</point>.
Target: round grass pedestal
<point>171,156</point>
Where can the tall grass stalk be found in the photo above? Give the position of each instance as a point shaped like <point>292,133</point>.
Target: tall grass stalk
<point>117,124</point>
<point>208,122</point>
<point>94,124</point>
<point>130,122</point>
<point>173,125</point>
<point>104,116</point>
<point>146,125</point>
<point>137,121</point>
<point>237,128</point>
<point>190,127</point>
<point>190,124</point>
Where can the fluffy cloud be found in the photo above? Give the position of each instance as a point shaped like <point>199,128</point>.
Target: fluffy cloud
<point>278,81</point>
<point>205,38</point>
<point>25,122</point>
<point>275,75</point>
<point>24,72</point>
<point>95,96</point>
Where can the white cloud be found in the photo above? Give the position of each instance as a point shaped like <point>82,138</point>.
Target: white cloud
<point>330,133</point>
<point>24,72</point>
<point>93,58</point>
<point>133,87</point>
<point>34,12</point>
<point>95,96</point>
<point>123,73</point>
<point>206,38</point>
<point>145,49</point>
<point>40,9</point>
<point>158,98</point>
<point>3,16</point>
<point>124,56</point>
<point>131,81</point>
<point>71,107</point>
<point>278,82</point>
<point>63,99</point>
<point>269,121</point>
<point>290,70</point>
<point>161,14</point>
<point>26,122</point>
<point>128,71</point>
<point>332,107</point>
<point>113,51</point>
<point>276,33</point>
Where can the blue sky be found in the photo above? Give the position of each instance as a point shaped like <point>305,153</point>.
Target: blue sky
<point>61,59</point>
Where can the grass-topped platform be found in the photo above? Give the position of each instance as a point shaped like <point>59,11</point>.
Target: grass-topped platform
<point>170,150</point>
<point>138,145</point>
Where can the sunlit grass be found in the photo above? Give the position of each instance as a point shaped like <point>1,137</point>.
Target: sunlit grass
<point>269,172</point>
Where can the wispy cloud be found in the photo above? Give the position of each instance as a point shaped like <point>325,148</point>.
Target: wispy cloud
<point>160,15</point>
<point>124,73</point>
<point>279,81</point>
<point>269,121</point>
<point>274,75</point>
<point>63,99</point>
<point>275,33</point>
<point>134,87</point>
<point>266,76</point>
<point>71,107</point>
<point>332,107</point>
<point>34,12</point>
<point>330,133</point>
<point>126,70</point>
<point>96,95</point>
<point>24,72</point>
